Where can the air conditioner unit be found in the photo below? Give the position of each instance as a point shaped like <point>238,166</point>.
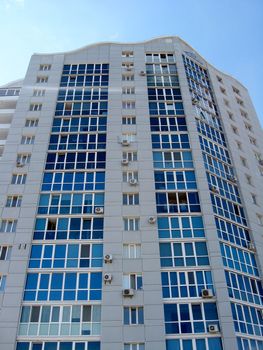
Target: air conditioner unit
<point>152,220</point>
<point>251,247</point>
<point>108,258</point>
<point>213,328</point>
<point>125,142</point>
<point>107,277</point>
<point>99,210</point>
<point>142,73</point>
<point>124,162</point>
<point>207,293</point>
<point>20,164</point>
<point>213,189</point>
<point>133,182</point>
<point>128,292</point>
<point>194,101</point>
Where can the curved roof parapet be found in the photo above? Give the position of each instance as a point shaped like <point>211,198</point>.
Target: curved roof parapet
<point>13,84</point>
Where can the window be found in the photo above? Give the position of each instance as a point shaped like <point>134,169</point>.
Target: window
<point>128,90</point>
<point>133,315</point>
<point>160,57</point>
<point>63,286</point>
<point>134,346</point>
<point>243,161</point>
<point>253,141</point>
<point>207,343</point>
<point>182,284</point>
<point>223,90</point>
<point>66,320</point>
<point>35,107</point>
<point>45,67</point>
<point>247,319</point>
<point>131,224</point>
<point>127,77</point>
<point>65,255</point>
<point>13,201</point>
<point>62,345</point>
<point>230,115</point>
<point>130,137</point>
<point>129,175</point>
<point>8,225</point>
<point>248,126</point>
<point>183,254</point>
<point>41,80</point>
<point>235,90</point>
<point>127,54</point>
<point>133,281</point>
<point>219,79</point>
<point>131,251</point>
<point>30,123</point>
<point>5,252</point>
<point>180,227</point>
<point>239,259</point>
<point>68,228</point>
<point>18,179</point>
<point>23,159</point>
<point>28,140</point>
<point>244,114</point>
<point>249,179</point>
<point>234,129</point>
<point>2,283</point>
<point>130,198</point>
<point>239,145</point>
<point>177,202</point>
<point>128,104</point>
<point>254,198</point>
<point>189,318</point>
<point>260,219</point>
<point>226,102</point>
<point>240,102</point>
<point>128,120</point>
<point>70,203</point>
<point>39,93</point>
<point>130,156</point>
<point>73,181</point>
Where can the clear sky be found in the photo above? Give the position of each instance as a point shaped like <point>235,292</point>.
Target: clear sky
<point>228,33</point>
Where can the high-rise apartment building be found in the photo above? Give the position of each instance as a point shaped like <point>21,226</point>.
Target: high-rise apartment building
<point>131,199</point>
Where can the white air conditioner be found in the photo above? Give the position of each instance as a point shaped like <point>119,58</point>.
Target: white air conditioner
<point>213,189</point>
<point>142,73</point>
<point>99,210</point>
<point>108,258</point>
<point>206,293</point>
<point>125,142</point>
<point>107,277</point>
<point>152,220</point>
<point>213,328</point>
<point>128,292</point>
<point>194,101</point>
<point>20,164</point>
<point>251,247</point>
<point>133,182</point>
<point>124,162</point>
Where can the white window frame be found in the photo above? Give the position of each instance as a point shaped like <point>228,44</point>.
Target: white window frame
<point>13,201</point>
<point>5,252</point>
<point>18,179</point>
<point>131,224</point>
<point>31,123</point>
<point>27,140</point>
<point>8,225</point>
<point>132,251</point>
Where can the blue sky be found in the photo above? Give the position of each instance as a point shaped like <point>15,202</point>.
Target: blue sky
<point>228,33</point>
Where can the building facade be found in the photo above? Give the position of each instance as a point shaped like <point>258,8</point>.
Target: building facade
<point>131,202</point>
